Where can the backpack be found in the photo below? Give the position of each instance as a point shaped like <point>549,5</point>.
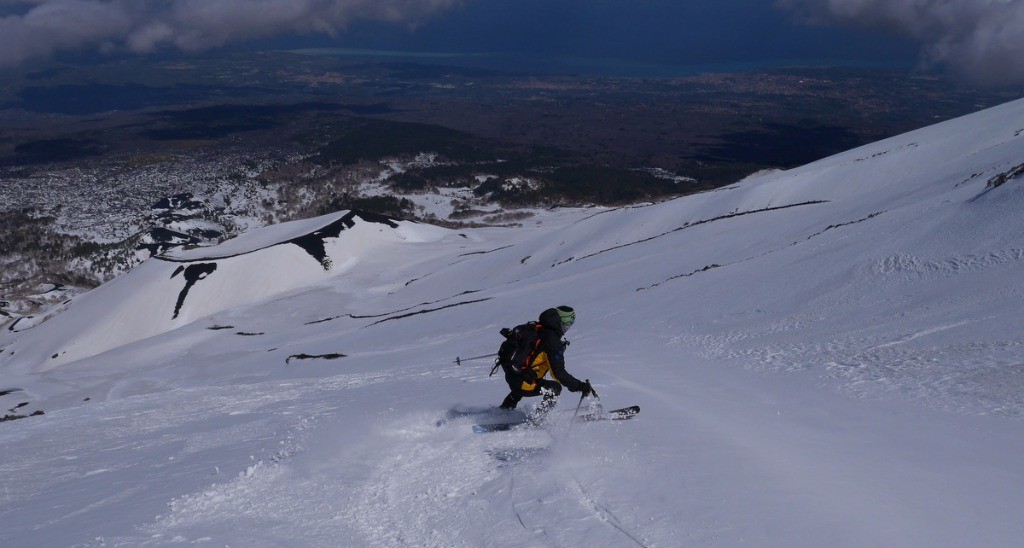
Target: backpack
<point>520,347</point>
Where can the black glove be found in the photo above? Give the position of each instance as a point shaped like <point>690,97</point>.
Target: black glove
<point>586,389</point>
<point>528,375</point>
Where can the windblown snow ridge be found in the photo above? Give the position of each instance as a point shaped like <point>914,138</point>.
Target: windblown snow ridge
<point>187,285</point>
<point>697,223</point>
<point>312,242</point>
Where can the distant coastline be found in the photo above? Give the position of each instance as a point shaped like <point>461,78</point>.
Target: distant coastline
<point>582,66</point>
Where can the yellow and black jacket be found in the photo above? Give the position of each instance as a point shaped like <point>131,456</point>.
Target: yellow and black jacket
<point>542,355</point>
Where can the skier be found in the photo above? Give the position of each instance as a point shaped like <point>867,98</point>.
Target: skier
<point>540,351</point>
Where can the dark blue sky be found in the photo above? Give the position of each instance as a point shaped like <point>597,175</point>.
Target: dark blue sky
<point>667,32</point>
<point>980,40</point>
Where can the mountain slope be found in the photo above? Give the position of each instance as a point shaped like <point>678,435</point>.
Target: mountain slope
<point>824,356</point>
<point>180,287</point>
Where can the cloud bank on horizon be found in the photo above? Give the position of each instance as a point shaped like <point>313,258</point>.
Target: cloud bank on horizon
<point>977,39</point>
<point>980,40</point>
<point>38,29</point>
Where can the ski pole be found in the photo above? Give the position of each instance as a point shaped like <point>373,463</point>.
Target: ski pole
<point>580,404</point>
<point>458,360</point>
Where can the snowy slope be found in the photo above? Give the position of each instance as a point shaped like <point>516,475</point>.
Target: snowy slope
<point>829,355</point>
<point>180,287</point>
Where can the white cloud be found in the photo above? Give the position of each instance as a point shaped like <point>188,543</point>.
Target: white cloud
<point>37,29</point>
<point>979,39</point>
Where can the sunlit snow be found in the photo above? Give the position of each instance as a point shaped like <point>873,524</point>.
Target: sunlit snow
<point>826,356</point>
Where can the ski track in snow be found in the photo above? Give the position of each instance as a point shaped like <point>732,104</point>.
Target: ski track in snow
<point>981,375</point>
<point>196,425</point>
<point>977,377</point>
<point>406,482</point>
<point>904,267</point>
<point>438,481</point>
<point>430,489</point>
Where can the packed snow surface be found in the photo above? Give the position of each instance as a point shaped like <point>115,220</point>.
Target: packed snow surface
<point>826,356</point>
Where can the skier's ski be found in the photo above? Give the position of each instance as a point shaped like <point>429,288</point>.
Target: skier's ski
<point>482,413</point>
<point>613,415</point>
<point>500,426</point>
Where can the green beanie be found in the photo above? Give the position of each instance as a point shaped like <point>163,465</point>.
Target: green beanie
<point>567,315</point>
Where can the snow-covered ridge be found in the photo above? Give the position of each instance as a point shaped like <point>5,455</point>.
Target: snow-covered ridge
<point>172,290</point>
<point>295,232</point>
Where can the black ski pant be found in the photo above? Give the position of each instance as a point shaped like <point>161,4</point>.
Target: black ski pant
<point>550,389</point>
